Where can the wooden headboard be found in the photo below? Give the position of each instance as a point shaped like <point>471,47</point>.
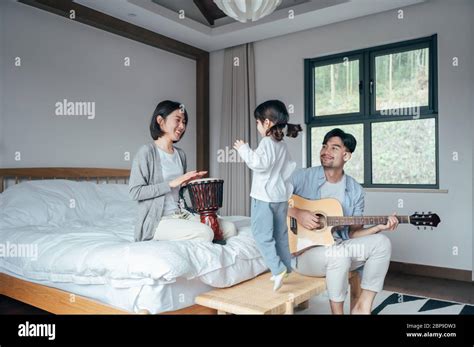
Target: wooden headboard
<point>75,173</point>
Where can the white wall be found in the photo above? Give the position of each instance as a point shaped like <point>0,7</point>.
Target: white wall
<point>280,74</point>
<point>63,59</point>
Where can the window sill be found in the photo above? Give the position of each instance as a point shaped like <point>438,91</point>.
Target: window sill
<point>405,190</point>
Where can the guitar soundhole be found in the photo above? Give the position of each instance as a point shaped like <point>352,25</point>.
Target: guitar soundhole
<point>322,221</point>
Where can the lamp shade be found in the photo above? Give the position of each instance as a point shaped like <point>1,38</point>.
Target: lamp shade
<point>245,10</point>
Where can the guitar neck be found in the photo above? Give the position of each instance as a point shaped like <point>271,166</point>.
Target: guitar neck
<point>365,220</point>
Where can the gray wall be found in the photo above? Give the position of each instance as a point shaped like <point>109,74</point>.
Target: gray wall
<point>2,58</point>
<point>63,59</point>
<point>279,74</point>
<point>472,137</point>
<point>216,80</point>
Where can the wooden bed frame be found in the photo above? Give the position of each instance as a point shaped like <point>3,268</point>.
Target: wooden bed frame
<point>51,299</point>
<point>61,302</point>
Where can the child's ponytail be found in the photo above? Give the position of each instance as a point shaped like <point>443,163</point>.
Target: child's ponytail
<point>276,131</point>
<point>292,130</point>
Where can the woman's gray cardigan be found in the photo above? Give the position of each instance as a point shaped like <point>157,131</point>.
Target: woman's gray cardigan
<point>147,186</point>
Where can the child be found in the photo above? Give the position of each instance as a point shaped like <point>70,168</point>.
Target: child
<point>272,167</point>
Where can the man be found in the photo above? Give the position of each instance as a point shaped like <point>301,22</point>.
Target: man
<point>355,246</point>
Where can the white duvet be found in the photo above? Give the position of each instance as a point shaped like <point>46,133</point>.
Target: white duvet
<point>81,232</point>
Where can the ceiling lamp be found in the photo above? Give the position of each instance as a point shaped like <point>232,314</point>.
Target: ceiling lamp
<point>244,10</point>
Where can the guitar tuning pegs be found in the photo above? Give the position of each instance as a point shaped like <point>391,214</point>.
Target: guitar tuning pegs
<point>431,228</point>
<point>416,212</point>
<point>429,212</point>
<point>423,212</point>
<point>418,228</point>
<point>425,228</point>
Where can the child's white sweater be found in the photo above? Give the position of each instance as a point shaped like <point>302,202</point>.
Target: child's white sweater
<point>272,168</point>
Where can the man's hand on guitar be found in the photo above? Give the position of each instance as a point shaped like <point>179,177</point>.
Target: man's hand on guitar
<point>392,223</point>
<point>302,210</point>
<point>308,219</point>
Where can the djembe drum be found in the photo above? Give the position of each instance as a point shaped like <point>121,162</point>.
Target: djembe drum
<point>206,198</point>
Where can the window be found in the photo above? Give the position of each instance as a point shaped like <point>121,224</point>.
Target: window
<point>337,88</point>
<point>386,97</point>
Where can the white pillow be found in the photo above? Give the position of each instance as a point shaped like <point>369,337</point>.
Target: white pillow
<point>49,202</point>
<point>116,200</point>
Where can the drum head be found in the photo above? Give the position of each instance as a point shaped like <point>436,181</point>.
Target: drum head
<point>205,180</point>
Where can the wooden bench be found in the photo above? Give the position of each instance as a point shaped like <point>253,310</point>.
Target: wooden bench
<point>256,296</point>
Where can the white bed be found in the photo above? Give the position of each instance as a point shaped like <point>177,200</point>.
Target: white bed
<point>80,238</point>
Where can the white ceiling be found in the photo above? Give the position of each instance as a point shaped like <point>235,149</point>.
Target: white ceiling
<point>311,14</point>
<point>192,11</point>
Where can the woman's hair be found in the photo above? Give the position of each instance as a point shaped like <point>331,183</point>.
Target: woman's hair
<point>164,109</point>
<point>275,111</point>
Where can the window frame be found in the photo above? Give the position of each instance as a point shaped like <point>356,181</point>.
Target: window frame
<point>367,102</point>
<point>335,60</point>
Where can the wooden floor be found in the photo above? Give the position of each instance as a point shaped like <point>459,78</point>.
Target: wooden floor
<point>448,290</point>
<point>10,306</point>
<point>409,284</point>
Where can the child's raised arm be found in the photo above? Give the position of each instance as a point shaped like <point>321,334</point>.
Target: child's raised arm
<point>259,160</point>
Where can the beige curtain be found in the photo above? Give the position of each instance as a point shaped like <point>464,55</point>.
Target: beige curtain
<point>237,122</point>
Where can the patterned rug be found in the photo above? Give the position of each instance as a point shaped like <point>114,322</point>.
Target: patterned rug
<point>388,302</point>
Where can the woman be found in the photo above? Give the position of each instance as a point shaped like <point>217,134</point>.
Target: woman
<point>158,172</point>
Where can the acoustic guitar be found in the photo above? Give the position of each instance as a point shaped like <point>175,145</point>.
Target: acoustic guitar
<point>330,215</point>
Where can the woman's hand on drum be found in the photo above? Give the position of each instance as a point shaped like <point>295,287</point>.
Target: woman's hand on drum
<point>188,176</point>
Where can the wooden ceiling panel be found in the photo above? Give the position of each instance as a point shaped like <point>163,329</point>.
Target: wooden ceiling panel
<point>209,10</point>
